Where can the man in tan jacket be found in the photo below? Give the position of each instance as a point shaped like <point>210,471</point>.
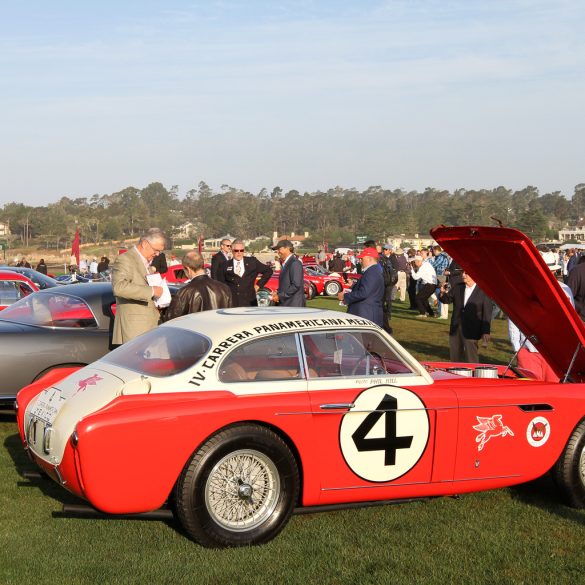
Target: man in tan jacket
<point>136,312</point>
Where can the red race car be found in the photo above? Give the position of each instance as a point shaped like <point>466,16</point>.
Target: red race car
<point>176,274</point>
<point>239,417</point>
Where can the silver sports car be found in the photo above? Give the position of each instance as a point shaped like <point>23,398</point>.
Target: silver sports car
<point>51,328</point>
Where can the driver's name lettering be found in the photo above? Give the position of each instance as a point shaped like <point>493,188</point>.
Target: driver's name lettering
<point>390,442</point>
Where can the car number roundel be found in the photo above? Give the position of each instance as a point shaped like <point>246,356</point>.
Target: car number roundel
<point>385,433</point>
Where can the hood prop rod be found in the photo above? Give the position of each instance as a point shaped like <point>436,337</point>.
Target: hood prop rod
<point>566,377</point>
<point>514,357</point>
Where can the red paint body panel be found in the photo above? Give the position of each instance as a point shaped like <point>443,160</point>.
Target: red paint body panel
<point>133,451</point>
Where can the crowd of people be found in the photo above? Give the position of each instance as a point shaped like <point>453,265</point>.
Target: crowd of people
<point>234,280</point>
<point>428,280</point>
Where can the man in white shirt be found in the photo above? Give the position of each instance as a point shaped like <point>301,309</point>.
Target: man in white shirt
<point>425,274</point>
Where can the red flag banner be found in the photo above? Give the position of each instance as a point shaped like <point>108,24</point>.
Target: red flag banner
<point>75,246</point>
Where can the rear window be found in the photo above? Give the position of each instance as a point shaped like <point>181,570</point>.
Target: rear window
<point>54,310</point>
<point>164,351</point>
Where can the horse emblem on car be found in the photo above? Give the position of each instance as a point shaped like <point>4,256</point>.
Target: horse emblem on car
<point>91,381</point>
<point>489,427</point>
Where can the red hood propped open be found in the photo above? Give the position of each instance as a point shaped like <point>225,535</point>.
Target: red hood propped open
<point>510,270</point>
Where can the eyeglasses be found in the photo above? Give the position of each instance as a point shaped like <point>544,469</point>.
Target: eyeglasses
<point>155,250</point>
<point>227,245</point>
<point>238,250</point>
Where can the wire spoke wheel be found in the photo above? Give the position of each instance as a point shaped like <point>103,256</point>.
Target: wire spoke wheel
<point>239,487</point>
<point>242,490</point>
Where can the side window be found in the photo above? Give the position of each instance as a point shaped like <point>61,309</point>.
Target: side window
<point>333,354</point>
<point>270,358</point>
<point>9,292</point>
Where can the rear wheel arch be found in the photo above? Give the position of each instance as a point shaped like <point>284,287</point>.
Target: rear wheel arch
<point>190,494</point>
<point>276,430</point>
<point>56,367</point>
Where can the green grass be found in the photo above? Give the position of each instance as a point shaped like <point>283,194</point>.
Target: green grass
<point>518,535</point>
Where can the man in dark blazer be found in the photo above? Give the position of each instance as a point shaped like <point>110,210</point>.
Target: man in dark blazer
<point>470,321</point>
<point>576,282</point>
<point>240,275</point>
<point>219,259</point>
<point>367,294</point>
<point>291,282</point>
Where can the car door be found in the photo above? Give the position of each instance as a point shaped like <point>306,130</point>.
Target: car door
<point>375,417</point>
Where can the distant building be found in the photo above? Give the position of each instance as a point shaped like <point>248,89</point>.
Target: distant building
<point>415,241</point>
<point>297,241</point>
<point>212,244</point>
<point>4,229</point>
<point>572,233</point>
<point>185,230</point>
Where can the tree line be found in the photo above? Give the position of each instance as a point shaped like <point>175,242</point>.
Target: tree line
<point>337,215</point>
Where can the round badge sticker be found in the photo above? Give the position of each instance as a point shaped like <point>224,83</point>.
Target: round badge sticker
<point>538,431</point>
<point>385,433</point>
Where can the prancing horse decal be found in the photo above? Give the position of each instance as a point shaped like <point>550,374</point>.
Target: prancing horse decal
<point>489,427</point>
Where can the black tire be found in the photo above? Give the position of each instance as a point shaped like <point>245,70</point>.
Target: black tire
<point>215,479</point>
<point>312,291</point>
<point>332,288</point>
<point>569,470</point>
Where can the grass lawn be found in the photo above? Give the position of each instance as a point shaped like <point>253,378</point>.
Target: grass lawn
<point>517,535</point>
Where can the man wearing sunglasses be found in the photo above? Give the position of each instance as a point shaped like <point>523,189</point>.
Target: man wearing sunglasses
<point>136,312</point>
<point>240,275</point>
<point>219,259</point>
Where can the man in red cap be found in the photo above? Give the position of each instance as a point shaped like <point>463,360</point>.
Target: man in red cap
<point>366,295</point>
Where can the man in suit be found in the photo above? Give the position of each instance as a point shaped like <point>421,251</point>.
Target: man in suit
<point>291,282</point>
<point>219,259</point>
<point>240,274</point>
<point>367,294</point>
<point>470,321</point>
<point>136,312</point>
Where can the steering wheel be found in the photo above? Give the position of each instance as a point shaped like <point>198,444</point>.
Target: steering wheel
<point>364,358</point>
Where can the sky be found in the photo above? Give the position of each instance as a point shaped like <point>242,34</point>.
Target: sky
<point>307,95</point>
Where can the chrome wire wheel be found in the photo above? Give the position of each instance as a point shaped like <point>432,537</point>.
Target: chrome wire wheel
<point>242,490</point>
<point>582,466</point>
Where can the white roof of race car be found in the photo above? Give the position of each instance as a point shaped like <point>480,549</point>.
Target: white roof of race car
<point>222,323</point>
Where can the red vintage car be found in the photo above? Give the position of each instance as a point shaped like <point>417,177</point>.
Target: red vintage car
<point>238,417</point>
<point>264,295</point>
<point>13,287</point>
<point>176,274</point>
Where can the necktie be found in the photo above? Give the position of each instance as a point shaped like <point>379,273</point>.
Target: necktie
<point>239,270</point>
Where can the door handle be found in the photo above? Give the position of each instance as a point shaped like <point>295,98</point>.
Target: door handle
<point>338,406</point>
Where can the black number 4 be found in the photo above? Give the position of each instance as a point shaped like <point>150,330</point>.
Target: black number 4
<point>389,443</point>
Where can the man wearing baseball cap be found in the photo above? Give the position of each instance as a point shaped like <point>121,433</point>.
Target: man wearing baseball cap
<point>366,295</point>
<point>291,282</point>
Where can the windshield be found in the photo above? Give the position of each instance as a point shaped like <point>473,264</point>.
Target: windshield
<point>351,353</point>
<point>50,310</point>
<point>161,352</point>
<point>316,269</point>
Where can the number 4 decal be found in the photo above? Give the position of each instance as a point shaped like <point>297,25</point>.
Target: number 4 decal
<point>390,441</point>
<point>385,434</point>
